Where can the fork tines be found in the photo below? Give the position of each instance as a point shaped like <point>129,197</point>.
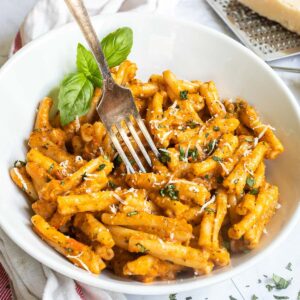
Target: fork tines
<point>119,127</point>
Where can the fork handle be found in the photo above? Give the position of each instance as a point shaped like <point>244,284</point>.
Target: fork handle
<point>79,12</point>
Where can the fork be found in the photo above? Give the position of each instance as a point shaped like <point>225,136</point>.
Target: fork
<point>116,106</point>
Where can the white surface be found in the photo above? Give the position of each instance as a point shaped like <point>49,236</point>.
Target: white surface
<point>282,256</point>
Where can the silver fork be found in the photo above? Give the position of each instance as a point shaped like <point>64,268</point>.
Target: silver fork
<point>117,105</point>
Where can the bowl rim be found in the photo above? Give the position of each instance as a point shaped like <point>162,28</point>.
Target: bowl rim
<point>133,287</point>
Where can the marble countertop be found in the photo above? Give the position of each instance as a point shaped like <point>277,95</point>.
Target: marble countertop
<point>253,281</point>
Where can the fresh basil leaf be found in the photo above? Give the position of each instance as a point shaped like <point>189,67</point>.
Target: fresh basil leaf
<point>116,46</point>
<point>86,64</point>
<point>74,97</point>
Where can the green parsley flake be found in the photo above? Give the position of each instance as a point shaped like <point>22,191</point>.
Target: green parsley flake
<point>216,128</point>
<point>220,179</point>
<point>84,176</point>
<point>253,191</point>
<point>19,163</point>
<point>206,176</point>
<point>112,185</point>
<point>142,248</point>
<point>164,156</point>
<point>254,297</point>
<point>181,154</point>
<point>132,213</point>
<point>232,298</point>
<point>189,298</point>
<point>169,191</point>
<point>209,210</point>
<point>183,95</point>
<point>192,124</point>
<point>217,159</point>
<point>193,153</point>
<point>298,297</point>
<point>281,283</point>
<point>51,168</point>
<point>117,161</point>
<point>289,266</point>
<point>281,297</point>
<point>101,167</point>
<point>250,181</point>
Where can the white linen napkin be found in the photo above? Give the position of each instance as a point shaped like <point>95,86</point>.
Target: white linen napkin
<point>30,279</point>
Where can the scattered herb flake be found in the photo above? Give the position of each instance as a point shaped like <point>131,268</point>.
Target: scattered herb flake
<point>117,161</point>
<point>164,156</point>
<point>62,183</point>
<point>298,297</point>
<point>189,298</point>
<point>220,179</point>
<point>216,128</point>
<point>209,210</point>
<point>132,213</point>
<point>269,287</point>
<point>217,159</point>
<point>232,298</point>
<point>254,297</point>
<point>250,181</point>
<point>19,163</point>
<point>193,153</point>
<point>111,185</point>
<point>192,124</point>
<point>101,167</point>
<point>259,280</point>
<point>51,168</point>
<point>170,192</point>
<point>289,266</point>
<point>206,176</point>
<point>281,297</point>
<point>253,191</point>
<point>206,134</point>
<point>141,247</point>
<point>181,153</point>
<point>84,176</point>
<point>183,95</point>
<point>281,283</point>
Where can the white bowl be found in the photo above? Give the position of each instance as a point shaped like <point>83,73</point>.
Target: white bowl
<point>191,51</point>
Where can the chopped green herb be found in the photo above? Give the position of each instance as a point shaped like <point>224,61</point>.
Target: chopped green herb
<point>232,298</point>
<point>164,156</point>
<point>250,181</point>
<point>132,213</point>
<point>142,248</point>
<point>206,176</point>
<point>220,179</point>
<point>247,285</point>
<point>193,153</point>
<point>206,134</point>
<point>254,297</point>
<point>181,153</point>
<point>117,161</point>
<point>51,168</point>
<point>209,210</point>
<point>111,185</point>
<point>253,191</point>
<point>189,298</point>
<point>217,159</point>
<point>84,176</point>
<point>170,192</point>
<point>183,95</point>
<point>211,146</point>
<point>69,250</point>
<point>216,128</point>
<point>249,139</point>
<point>192,124</point>
<point>298,297</point>
<point>19,163</point>
<point>289,266</point>
<point>259,280</point>
<point>101,167</point>
<point>281,297</point>
<point>280,283</point>
<point>62,183</point>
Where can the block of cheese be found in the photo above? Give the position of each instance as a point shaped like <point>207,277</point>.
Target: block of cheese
<point>285,12</point>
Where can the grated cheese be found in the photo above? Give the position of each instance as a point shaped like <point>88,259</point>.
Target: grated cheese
<point>76,257</point>
<point>212,200</point>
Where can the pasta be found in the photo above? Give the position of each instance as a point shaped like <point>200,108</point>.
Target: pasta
<point>206,196</point>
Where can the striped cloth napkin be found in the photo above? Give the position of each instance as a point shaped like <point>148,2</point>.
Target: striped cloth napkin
<point>21,276</point>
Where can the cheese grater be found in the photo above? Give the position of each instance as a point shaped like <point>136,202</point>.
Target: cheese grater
<point>266,38</point>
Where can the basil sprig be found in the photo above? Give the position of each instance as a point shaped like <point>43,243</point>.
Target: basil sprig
<point>76,90</point>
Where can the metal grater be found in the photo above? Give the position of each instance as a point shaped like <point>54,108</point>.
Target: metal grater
<point>266,38</point>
